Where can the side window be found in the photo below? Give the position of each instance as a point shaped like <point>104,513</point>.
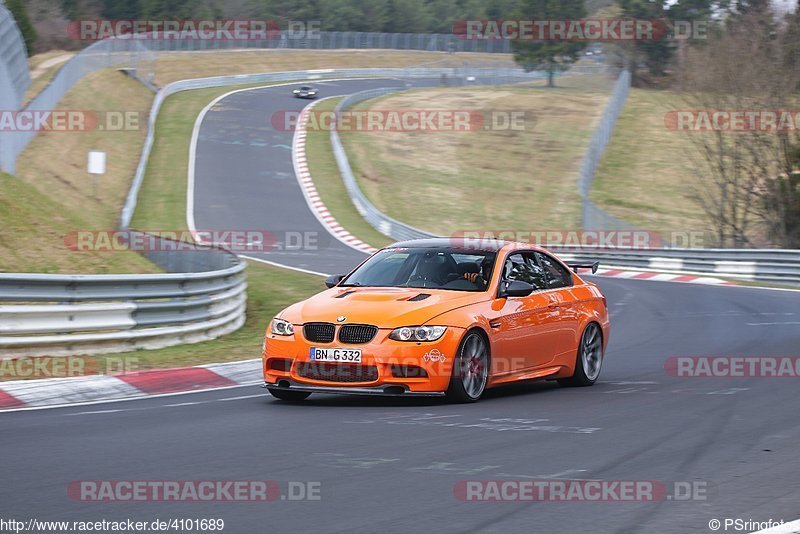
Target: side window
<point>523,267</point>
<point>557,275</point>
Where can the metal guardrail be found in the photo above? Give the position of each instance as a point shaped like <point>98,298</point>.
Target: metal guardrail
<point>14,74</point>
<point>594,217</point>
<point>380,221</point>
<point>202,298</point>
<point>764,265</point>
<point>327,40</point>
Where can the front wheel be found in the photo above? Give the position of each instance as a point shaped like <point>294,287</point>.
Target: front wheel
<point>470,369</point>
<point>589,359</point>
<point>290,396</point>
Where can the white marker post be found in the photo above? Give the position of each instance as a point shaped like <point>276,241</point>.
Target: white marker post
<point>96,165</point>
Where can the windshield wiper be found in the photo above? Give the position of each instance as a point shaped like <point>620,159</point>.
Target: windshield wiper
<point>354,284</point>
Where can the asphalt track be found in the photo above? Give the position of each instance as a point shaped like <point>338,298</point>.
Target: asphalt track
<point>391,465</point>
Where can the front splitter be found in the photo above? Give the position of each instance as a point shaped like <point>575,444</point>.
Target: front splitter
<point>384,391</point>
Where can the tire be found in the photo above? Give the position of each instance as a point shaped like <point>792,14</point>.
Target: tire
<point>289,396</point>
<point>470,369</point>
<point>589,359</point>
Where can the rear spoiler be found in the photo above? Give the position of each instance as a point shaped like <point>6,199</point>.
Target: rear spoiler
<point>575,265</point>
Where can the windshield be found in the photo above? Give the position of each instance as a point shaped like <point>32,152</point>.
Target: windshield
<point>433,268</point>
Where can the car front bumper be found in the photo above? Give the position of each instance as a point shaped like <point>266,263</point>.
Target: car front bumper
<point>382,357</point>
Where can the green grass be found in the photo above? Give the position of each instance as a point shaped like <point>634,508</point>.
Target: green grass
<point>329,184</point>
<point>33,230</point>
<point>51,195</point>
<point>490,179</point>
<point>646,176</point>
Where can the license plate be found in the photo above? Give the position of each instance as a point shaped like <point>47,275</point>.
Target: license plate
<point>335,355</point>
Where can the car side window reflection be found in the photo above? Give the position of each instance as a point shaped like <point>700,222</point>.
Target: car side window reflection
<point>523,267</point>
<point>557,275</point>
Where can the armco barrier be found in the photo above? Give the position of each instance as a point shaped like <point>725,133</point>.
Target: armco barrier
<point>380,221</point>
<point>202,297</point>
<point>764,265</point>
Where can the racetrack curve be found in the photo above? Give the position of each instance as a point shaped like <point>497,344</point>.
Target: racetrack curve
<point>391,465</point>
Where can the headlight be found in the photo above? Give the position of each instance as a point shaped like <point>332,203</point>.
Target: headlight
<point>417,333</point>
<point>281,327</point>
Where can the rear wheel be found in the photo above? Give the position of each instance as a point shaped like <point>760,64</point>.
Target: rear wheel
<point>290,396</point>
<point>589,359</point>
<point>470,369</point>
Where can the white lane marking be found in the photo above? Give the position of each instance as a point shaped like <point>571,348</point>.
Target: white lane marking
<point>729,391</point>
<point>240,397</point>
<point>793,527</point>
<point>94,412</point>
<point>276,264</point>
<point>774,324</point>
<point>97,412</point>
<point>559,475</point>
<point>138,397</point>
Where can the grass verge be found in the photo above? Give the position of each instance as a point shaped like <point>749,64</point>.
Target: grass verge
<point>492,178</point>
<point>329,184</point>
<point>646,176</point>
<point>52,195</point>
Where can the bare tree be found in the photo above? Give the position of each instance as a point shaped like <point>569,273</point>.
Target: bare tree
<point>739,169</point>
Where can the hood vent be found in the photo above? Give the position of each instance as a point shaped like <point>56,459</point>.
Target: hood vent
<point>421,296</point>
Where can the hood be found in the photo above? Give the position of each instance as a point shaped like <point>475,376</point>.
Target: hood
<point>384,307</point>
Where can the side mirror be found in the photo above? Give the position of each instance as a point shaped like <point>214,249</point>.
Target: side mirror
<point>514,288</point>
<point>333,280</point>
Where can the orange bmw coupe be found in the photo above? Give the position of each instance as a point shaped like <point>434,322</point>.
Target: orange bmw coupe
<point>441,317</point>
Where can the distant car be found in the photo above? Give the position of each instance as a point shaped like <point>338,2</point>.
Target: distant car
<point>438,317</point>
<point>305,91</point>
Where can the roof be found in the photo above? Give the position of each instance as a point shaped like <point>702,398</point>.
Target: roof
<point>490,245</point>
